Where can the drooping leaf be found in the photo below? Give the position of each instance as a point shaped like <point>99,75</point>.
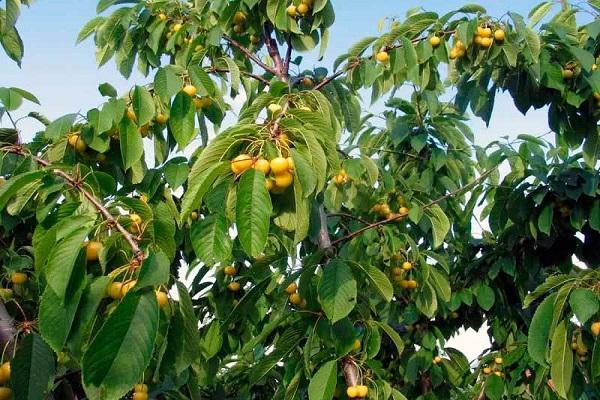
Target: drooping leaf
<point>561,356</point>
<point>32,369</point>
<point>337,290</point>
<point>253,212</point>
<point>322,384</point>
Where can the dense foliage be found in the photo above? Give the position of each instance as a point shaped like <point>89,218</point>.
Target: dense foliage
<point>307,249</point>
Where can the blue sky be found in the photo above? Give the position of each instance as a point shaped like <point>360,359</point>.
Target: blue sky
<point>65,77</point>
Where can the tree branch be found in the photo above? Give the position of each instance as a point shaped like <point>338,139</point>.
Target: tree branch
<point>246,73</point>
<point>249,54</point>
<point>137,252</point>
<point>288,56</point>
<point>426,206</point>
<point>273,50</point>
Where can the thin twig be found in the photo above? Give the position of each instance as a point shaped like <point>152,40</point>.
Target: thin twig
<point>246,73</point>
<point>112,221</point>
<point>350,216</point>
<point>397,217</point>
<point>250,54</point>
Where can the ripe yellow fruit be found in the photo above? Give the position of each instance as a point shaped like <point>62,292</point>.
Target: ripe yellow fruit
<point>5,393</point>
<point>141,388</point>
<point>486,32</point>
<point>363,391</point>
<point>291,164</point>
<point>356,346</point>
<point>292,11</point>
<point>163,300</point>
<point>284,180</point>
<point>412,284</point>
<point>397,271</point>
<point>499,35</point>
<point>404,284</point>
<point>135,219</point>
<point>403,211</point>
<point>279,165</point>
<point>202,102</point>
<point>18,278</point>
<point>92,250</point>
<point>229,270</point>
<point>460,45</point>
<point>194,215</point>
<point>435,41</point>
<point>498,360</point>
<point>241,164</point>
<point>437,359</point>
<point>581,351</point>
<point>177,27</point>
<point>567,74</point>
<point>262,165</point>
<point>487,370</point>
<point>302,8</point>
<point>352,391</point>
<point>295,299</point>
<point>239,18</point>
<point>453,53</point>
<point>384,210</point>
<point>499,373</point>
<point>595,328</point>
<point>162,17</point>
<point>4,373</point>
<point>77,143</point>
<point>131,114</point>
<point>407,266</point>
<point>339,179</point>
<point>274,108</point>
<point>480,31</point>
<point>486,42</point>
<point>161,118</point>
<point>234,287</point>
<point>291,288</point>
<point>114,290</point>
<point>270,184</point>
<point>190,90</point>
<point>140,396</point>
<point>383,57</point>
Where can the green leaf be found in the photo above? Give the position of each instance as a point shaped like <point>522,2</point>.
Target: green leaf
<point>120,353</point>
<point>440,283</point>
<point>337,290</point>
<point>287,342</point>
<point>89,28</point>
<point>132,145</point>
<point>322,384</point>
<point>199,185</point>
<point>539,12</point>
<point>210,239</point>
<point>378,279</point>
<point>211,342</point>
<point>485,296</point>
<point>545,220</point>
<point>155,270</point>
<point>32,369</point>
<point>440,224</point>
<point>12,44</point>
<point>234,73</point>
<point>60,126</point>
<point>594,218</point>
<point>143,105</point>
<point>176,174</point>
<point>393,335</point>
<point>13,10</point>
<point>167,83</point>
<point>26,95</point>
<point>584,304</point>
<point>596,362</point>
<point>12,186</point>
<point>494,387</point>
<point>253,212</point>
<point>181,120</point>
<point>539,330</point>
<point>561,357</point>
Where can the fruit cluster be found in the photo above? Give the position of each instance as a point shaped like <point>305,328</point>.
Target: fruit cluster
<point>495,367</point>
<point>5,393</point>
<point>281,168</point>
<point>437,360</point>
<point>484,38</point>
<point>140,392</point>
<point>239,19</point>
<point>294,296</point>
<point>384,211</point>
<point>230,271</point>
<point>301,9</point>
<point>357,391</point>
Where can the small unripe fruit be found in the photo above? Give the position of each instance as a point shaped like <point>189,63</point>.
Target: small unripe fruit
<point>498,360</point>
<point>238,29</point>
<point>383,57</point>
<point>92,250</point>
<point>435,41</point>
<point>295,299</point>
<point>6,294</point>
<point>163,300</point>
<point>275,108</point>
<point>291,288</point>
<point>229,270</point>
<point>262,165</point>
<point>194,215</point>
<point>18,278</point>
<point>356,346</point>
<point>397,271</point>
<point>595,328</point>
<point>241,164</point>
<point>254,39</point>
<point>161,118</point>
<point>284,180</point>
<point>567,74</point>
<point>239,18</point>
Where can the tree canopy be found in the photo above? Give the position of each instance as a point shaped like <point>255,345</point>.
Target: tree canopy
<point>307,249</point>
